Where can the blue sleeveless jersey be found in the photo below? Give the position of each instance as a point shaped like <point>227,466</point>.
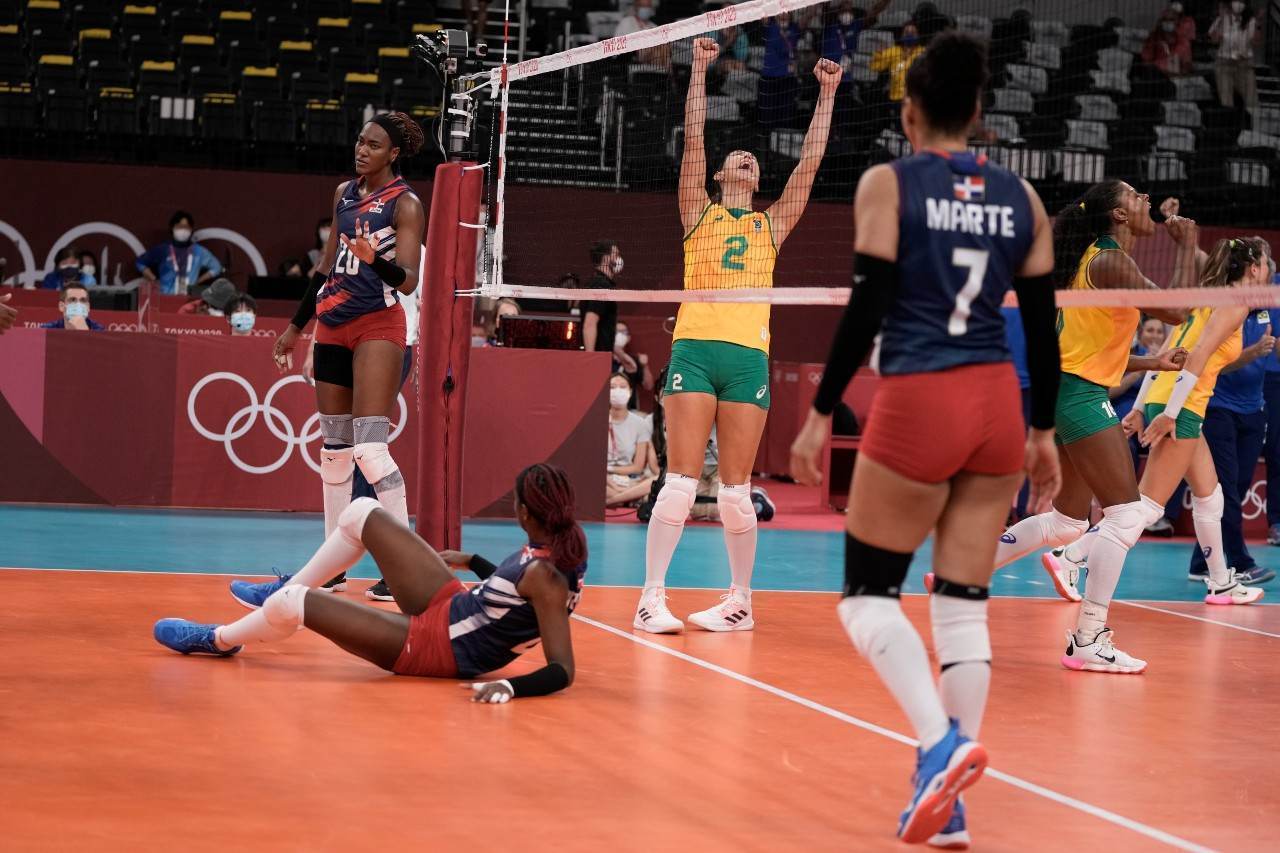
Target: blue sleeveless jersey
<point>965,225</point>
<point>353,289</point>
<point>492,625</point>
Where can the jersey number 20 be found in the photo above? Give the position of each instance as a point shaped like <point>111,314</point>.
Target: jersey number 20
<point>975,261</point>
<point>347,262</point>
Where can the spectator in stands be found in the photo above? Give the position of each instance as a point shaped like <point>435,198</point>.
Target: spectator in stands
<point>628,477</point>
<point>242,314</point>
<point>66,267</point>
<point>1168,47</point>
<point>504,308</point>
<point>7,314</point>
<point>779,84</point>
<point>634,367</point>
<point>641,18</point>
<point>179,263</point>
<point>843,23</point>
<point>897,58</point>
<point>291,267</point>
<point>73,302</point>
<point>1236,32</point>
<point>213,300</point>
<point>315,254</point>
<point>600,318</point>
<point>88,268</point>
<point>479,335</point>
<point>928,22</point>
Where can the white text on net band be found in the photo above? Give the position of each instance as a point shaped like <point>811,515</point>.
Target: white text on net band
<point>1190,297</point>
<point>741,13</point>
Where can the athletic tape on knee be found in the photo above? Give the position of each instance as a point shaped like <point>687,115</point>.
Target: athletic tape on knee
<point>675,500</point>
<point>371,430</point>
<point>284,607</point>
<point>374,459</point>
<point>1208,509</point>
<point>1122,524</point>
<point>737,513</point>
<point>337,431</point>
<point>960,632</point>
<point>869,570</point>
<point>1152,511</point>
<point>337,464</point>
<point>353,518</point>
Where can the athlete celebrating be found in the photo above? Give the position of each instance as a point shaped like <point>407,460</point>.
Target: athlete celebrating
<point>940,238</point>
<point>719,371</point>
<point>443,630</point>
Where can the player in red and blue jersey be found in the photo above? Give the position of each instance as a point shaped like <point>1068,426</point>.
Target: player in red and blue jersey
<point>940,238</point>
<point>370,258</point>
<point>444,630</point>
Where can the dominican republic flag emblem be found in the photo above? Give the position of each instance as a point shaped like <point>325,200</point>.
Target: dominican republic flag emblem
<point>970,188</point>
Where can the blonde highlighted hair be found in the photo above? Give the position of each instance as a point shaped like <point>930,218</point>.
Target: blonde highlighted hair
<point>1231,258</point>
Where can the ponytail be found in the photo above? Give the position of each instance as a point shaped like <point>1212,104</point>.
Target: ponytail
<point>1231,258</point>
<point>1078,225</point>
<point>545,491</point>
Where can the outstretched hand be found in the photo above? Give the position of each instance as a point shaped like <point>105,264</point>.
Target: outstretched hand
<point>365,246</point>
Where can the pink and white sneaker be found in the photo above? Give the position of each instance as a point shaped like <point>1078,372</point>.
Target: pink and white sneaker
<point>1064,573</point>
<point>1100,656</point>
<point>733,613</point>
<point>928,583</point>
<point>1232,592</point>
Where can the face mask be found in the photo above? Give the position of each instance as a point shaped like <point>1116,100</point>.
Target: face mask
<point>617,265</point>
<point>88,269</point>
<point>620,340</point>
<point>479,340</point>
<point>910,41</point>
<point>242,321</point>
<point>1167,26</point>
<point>181,235</point>
<point>644,13</point>
<point>846,18</point>
<point>76,309</point>
<point>323,234</point>
<point>1237,7</point>
<point>619,397</point>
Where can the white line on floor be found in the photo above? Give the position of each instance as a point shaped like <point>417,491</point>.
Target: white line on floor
<point>1199,618</point>
<point>1030,787</point>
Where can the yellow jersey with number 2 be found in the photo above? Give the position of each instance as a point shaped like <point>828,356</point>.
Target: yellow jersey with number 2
<point>1188,335</point>
<point>727,250</point>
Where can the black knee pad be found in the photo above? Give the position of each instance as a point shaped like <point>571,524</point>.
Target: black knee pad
<point>869,570</point>
<point>333,364</point>
<point>942,586</point>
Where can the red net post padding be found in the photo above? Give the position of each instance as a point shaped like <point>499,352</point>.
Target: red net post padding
<point>444,350</point>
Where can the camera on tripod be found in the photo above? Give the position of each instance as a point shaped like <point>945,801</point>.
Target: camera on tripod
<point>447,50</point>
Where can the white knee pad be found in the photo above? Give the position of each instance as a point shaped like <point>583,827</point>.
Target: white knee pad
<point>1123,524</point>
<point>337,464</point>
<point>1208,509</point>
<point>284,608</point>
<point>737,513</point>
<point>675,499</point>
<point>374,459</point>
<point>868,618</point>
<point>1060,529</point>
<point>352,520</point>
<point>960,633</point>
<point>1152,511</point>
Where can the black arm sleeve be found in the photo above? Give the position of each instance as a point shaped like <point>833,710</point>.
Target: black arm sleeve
<point>875,286</point>
<point>388,272</point>
<point>482,567</point>
<point>549,679</point>
<point>1039,324</point>
<point>307,307</point>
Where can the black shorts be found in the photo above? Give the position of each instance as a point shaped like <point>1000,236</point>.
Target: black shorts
<point>334,364</point>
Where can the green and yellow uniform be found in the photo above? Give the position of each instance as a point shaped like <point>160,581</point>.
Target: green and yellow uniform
<point>1191,418</point>
<point>722,348</point>
<point>1094,344</point>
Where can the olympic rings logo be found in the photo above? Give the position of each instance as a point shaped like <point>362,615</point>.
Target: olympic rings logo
<point>1252,505</point>
<point>276,420</point>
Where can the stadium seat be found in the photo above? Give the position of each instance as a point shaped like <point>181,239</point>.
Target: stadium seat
<point>1053,33</point>
<point>1087,134</point>
<point>1097,108</point>
<point>1254,139</point>
<point>296,56</point>
<point>55,71</point>
<point>1193,88</point>
<point>1175,139</point>
<point>102,73</point>
<point>13,66</point>
<point>324,8</point>
<point>395,63</point>
<point>309,86</point>
<point>47,40</point>
<point>360,89</point>
<point>221,117</point>
<point>1113,59</point>
<point>722,108</point>
<point>1005,127</point>
<point>1110,81</point>
<point>140,20</point>
<point>88,15</point>
<point>116,112</point>
<point>284,26</point>
<point>204,80</point>
<point>975,25</point>
<point>19,108</point>
<point>870,41</point>
<point>243,53</point>
<point>602,25</point>
<point>335,34</point>
<point>275,121</point>
<point>149,46</point>
<point>45,14</point>
<point>1255,173</point>
<point>1161,167</point>
<point>198,49</point>
<point>97,43</point>
<point>1181,114</point>
<point>1028,77</point>
<point>324,123</point>
<point>171,115</point>
<point>379,34</point>
<point>1266,119</point>
<point>66,111</point>
<point>1082,167</point>
<point>236,24</point>
<point>158,79</point>
<point>1042,55</point>
<point>260,83</point>
<point>369,11</point>
<point>894,18</point>
<point>189,21</point>
<point>1131,39</point>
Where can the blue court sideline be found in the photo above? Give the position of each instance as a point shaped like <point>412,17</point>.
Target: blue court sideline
<point>253,543</point>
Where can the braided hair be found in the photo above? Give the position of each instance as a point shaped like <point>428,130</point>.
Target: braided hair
<point>1078,225</point>
<point>545,491</point>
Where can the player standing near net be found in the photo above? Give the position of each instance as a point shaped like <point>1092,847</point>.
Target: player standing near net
<point>371,256</point>
<point>719,372</point>
<point>1093,237</point>
<point>443,631</point>
<point>940,238</point>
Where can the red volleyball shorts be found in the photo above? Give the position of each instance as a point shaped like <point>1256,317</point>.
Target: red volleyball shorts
<point>928,427</point>
<point>386,325</point>
<point>427,650</point>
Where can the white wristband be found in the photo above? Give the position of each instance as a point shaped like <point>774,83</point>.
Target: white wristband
<point>1182,388</point>
<point>1145,388</point>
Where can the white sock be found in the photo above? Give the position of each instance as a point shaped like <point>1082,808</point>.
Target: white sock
<point>738,517</point>
<point>279,618</point>
<point>881,634</point>
<point>1120,527</point>
<point>666,525</point>
<point>962,643</point>
<point>1047,530</point>
<point>1206,512</point>
<point>335,555</point>
<point>1078,551</point>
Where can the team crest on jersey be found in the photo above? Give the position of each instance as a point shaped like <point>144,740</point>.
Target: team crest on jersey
<point>757,224</point>
<point>970,188</point>
<point>377,206</point>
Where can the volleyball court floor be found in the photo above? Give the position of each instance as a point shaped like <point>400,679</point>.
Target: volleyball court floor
<point>777,739</point>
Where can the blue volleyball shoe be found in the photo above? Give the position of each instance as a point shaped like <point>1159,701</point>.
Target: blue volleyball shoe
<point>955,835</point>
<point>183,635</point>
<point>252,595</point>
<point>953,764</point>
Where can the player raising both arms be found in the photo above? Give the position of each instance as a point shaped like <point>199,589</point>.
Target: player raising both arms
<point>940,238</point>
<point>719,372</point>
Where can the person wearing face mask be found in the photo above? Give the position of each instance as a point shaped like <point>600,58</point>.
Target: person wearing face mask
<point>641,18</point>
<point>242,314</point>
<point>1168,47</point>
<point>316,252</point>
<point>842,24</point>
<point>213,300</point>
<point>628,474</point>
<point>897,58</point>
<point>600,319</point>
<point>74,305</point>
<point>66,265</point>
<point>1236,33</point>
<point>179,263</point>
<point>88,268</point>
<point>634,367</point>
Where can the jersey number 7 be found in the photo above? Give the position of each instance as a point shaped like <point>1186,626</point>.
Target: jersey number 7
<point>975,261</point>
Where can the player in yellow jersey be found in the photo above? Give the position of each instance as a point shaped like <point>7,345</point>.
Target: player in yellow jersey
<point>1093,238</point>
<point>719,372</point>
<point>1175,407</point>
